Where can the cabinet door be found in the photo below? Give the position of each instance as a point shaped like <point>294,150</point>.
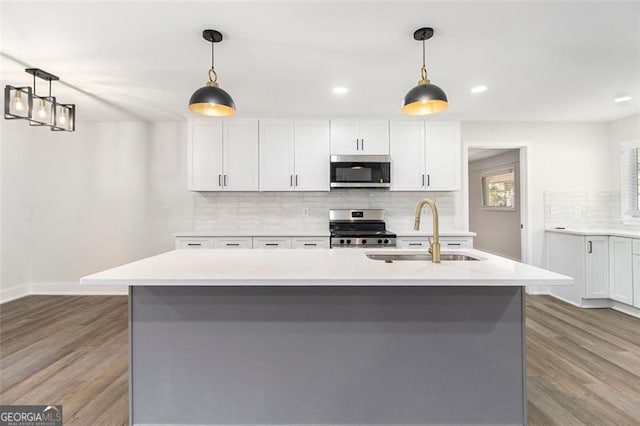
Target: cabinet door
<point>240,155</point>
<point>205,156</point>
<point>374,137</point>
<point>311,155</point>
<point>443,156</point>
<point>276,155</point>
<point>407,156</point>
<point>636,281</point>
<point>345,137</point>
<point>620,270</point>
<point>597,264</point>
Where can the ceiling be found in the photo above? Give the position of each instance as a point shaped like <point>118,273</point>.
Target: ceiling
<point>542,60</point>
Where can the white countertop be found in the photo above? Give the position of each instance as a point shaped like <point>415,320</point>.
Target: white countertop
<point>254,233</point>
<point>594,232</point>
<point>320,267</point>
<point>308,233</point>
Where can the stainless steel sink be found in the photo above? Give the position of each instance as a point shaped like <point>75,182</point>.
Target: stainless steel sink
<point>425,257</point>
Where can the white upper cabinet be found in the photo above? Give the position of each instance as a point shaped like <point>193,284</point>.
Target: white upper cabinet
<point>276,155</point>
<point>443,158</point>
<point>407,156</point>
<point>294,155</point>
<point>205,157</point>
<point>311,155</point>
<point>223,155</point>
<point>352,137</point>
<point>425,156</point>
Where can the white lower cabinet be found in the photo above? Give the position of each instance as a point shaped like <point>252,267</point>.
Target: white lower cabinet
<point>310,243</point>
<point>597,267</point>
<point>271,243</point>
<point>621,269</point>
<point>233,243</point>
<point>445,242</point>
<point>636,280</point>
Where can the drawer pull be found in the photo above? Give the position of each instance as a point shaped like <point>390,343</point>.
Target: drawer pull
<point>454,244</point>
<point>194,244</point>
<point>272,244</point>
<point>310,244</point>
<point>232,244</point>
<point>415,244</point>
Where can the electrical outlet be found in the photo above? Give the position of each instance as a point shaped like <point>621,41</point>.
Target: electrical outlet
<point>305,211</point>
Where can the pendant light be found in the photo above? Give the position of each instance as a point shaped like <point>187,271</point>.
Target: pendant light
<point>211,100</point>
<point>425,98</point>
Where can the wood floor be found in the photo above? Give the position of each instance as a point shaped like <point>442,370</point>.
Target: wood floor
<point>583,365</point>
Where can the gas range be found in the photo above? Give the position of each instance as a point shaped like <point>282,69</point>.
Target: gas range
<point>359,229</point>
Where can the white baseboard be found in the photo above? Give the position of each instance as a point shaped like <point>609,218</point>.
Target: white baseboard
<point>13,293</point>
<point>59,288</point>
<point>75,289</point>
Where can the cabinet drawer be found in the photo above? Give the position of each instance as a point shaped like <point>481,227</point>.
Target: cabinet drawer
<point>636,246</point>
<point>310,243</point>
<point>445,242</point>
<point>194,243</point>
<point>407,243</point>
<point>233,243</point>
<point>271,243</point>
<point>452,243</point>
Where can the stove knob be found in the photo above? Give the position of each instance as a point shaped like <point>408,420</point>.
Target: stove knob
<point>386,241</point>
<point>341,241</point>
<point>364,241</point>
<point>348,241</point>
<point>379,241</point>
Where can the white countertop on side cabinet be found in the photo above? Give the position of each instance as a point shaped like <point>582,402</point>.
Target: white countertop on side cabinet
<point>599,231</point>
<point>323,267</point>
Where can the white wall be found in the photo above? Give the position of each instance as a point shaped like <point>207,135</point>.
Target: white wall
<point>561,156</point>
<point>15,174</point>
<point>498,231</point>
<point>624,130</point>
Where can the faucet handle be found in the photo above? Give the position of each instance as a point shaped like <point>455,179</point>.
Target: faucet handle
<point>430,245</point>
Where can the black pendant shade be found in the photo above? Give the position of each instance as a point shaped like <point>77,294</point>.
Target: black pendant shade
<point>211,100</point>
<point>425,98</point>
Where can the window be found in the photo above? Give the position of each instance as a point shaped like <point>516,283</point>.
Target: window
<point>498,190</point>
<point>630,180</point>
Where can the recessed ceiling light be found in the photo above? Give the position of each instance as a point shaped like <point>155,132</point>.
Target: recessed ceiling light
<point>621,99</point>
<point>340,90</point>
<point>479,89</point>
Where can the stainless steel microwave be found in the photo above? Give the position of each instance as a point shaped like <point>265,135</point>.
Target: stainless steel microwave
<point>360,171</point>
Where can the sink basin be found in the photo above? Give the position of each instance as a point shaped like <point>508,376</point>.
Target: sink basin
<point>425,257</point>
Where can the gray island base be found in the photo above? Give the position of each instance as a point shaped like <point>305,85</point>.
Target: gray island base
<point>307,355</point>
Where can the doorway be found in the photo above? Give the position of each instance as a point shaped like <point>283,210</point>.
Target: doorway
<point>495,200</point>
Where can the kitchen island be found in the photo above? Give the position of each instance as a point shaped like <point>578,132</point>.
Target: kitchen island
<point>325,337</point>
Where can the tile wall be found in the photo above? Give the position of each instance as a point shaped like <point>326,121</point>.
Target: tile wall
<point>275,211</point>
<point>582,209</point>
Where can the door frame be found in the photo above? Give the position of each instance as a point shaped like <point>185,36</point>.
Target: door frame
<point>526,190</point>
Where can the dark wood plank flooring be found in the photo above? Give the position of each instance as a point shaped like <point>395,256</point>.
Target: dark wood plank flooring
<point>583,365</point>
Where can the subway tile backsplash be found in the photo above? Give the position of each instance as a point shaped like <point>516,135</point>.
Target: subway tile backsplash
<point>582,209</point>
<point>274,211</point>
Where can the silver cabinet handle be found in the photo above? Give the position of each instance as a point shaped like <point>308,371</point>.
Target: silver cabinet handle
<point>590,250</point>
<point>453,244</point>
<point>310,244</point>
<point>232,244</point>
<point>290,180</point>
<point>219,180</point>
<point>296,180</point>
<point>272,244</point>
<point>422,180</point>
<point>415,244</point>
<point>194,244</point>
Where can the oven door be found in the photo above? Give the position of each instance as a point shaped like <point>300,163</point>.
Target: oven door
<point>360,171</point>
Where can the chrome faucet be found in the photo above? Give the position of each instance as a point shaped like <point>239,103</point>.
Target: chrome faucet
<point>434,247</point>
